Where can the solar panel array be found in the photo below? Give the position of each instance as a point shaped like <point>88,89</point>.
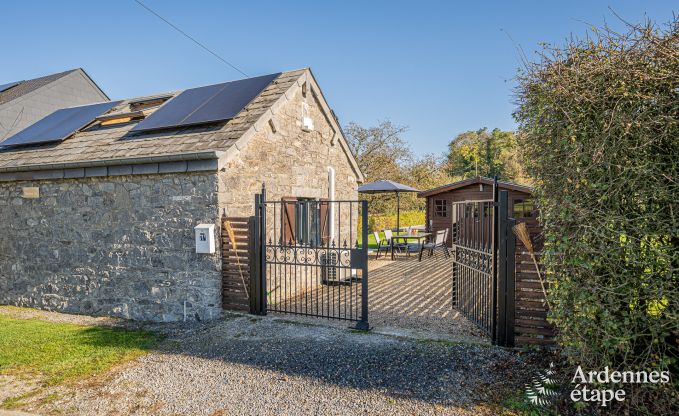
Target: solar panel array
<point>210,104</point>
<point>59,125</point>
<point>5,87</point>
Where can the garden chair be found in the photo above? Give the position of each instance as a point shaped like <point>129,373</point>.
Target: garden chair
<point>439,241</point>
<point>388,235</point>
<point>380,246</point>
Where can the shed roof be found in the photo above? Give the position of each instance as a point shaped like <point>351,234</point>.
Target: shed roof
<point>472,181</point>
<point>109,145</point>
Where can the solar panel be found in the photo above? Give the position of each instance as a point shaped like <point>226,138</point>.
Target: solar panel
<point>5,87</point>
<point>213,103</point>
<point>59,125</point>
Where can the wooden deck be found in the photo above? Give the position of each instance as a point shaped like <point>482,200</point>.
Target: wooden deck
<point>409,294</point>
<point>405,295</point>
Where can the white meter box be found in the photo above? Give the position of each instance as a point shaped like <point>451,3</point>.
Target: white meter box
<point>205,238</point>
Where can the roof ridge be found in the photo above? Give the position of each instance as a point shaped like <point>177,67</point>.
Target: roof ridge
<point>470,181</point>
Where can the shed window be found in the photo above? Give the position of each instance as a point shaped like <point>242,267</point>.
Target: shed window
<point>523,208</point>
<point>440,208</point>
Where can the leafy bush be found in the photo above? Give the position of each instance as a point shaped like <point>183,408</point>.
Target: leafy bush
<point>383,222</point>
<point>599,126</point>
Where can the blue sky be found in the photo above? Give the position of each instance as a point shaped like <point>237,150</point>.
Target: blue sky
<point>439,67</point>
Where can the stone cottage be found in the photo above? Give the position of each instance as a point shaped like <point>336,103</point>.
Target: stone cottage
<point>102,222</point>
<point>22,103</point>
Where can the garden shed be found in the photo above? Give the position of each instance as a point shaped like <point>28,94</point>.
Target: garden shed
<point>439,200</point>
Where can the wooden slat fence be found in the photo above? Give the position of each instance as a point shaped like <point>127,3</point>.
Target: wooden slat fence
<point>236,263</point>
<point>530,322</point>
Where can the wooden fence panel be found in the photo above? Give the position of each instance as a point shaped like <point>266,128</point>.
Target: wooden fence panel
<point>530,326</point>
<point>235,263</point>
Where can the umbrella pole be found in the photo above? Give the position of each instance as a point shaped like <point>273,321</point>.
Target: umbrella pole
<point>398,212</point>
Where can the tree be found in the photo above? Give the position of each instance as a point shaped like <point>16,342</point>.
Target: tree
<point>423,173</point>
<point>427,172</point>
<point>380,151</point>
<point>483,153</point>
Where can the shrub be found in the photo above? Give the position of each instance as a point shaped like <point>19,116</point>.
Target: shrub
<point>383,222</point>
<point>599,126</point>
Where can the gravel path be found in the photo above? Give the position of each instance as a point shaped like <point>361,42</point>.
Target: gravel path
<point>243,365</point>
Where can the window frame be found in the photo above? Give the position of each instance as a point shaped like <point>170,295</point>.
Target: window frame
<point>526,205</point>
<point>441,208</point>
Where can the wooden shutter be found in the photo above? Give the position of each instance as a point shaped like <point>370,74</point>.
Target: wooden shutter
<point>288,226</point>
<point>324,221</point>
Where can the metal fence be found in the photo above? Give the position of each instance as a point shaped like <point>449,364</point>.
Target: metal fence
<point>313,259</point>
<point>483,265</point>
<point>473,261</point>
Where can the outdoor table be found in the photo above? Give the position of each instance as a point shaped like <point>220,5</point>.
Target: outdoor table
<point>405,237</point>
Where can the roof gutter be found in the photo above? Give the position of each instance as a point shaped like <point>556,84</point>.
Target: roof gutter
<point>179,157</point>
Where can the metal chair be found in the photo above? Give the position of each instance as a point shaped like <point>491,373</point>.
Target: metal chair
<point>438,242</point>
<point>388,235</point>
<point>381,246</point>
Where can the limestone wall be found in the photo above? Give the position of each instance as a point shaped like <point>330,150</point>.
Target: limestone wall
<point>121,246</point>
<point>290,161</point>
<point>293,162</point>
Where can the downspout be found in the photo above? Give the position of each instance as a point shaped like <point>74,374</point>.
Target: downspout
<point>331,197</point>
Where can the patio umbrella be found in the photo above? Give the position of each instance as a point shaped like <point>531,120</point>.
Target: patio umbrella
<point>385,186</point>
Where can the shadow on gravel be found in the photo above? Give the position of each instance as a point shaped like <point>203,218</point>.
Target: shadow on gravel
<point>430,371</point>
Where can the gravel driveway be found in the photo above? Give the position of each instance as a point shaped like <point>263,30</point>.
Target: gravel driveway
<point>262,365</point>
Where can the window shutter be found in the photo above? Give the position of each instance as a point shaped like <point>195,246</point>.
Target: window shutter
<point>325,221</point>
<point>288,225</point>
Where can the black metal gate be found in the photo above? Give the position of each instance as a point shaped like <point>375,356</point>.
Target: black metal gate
<point>312,258</point>
<point>483,265</point>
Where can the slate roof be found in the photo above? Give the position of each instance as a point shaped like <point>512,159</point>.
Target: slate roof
<point>109,143</point>
<point>472,181</point>
<point>30,85</point>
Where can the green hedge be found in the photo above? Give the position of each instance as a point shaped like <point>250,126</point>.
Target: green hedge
<point>599,126</point>
<point>383,222</point>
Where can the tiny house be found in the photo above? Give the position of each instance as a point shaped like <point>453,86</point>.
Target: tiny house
<point>439,200</point>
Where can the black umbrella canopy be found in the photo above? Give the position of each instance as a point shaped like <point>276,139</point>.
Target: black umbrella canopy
<point>384,186</point>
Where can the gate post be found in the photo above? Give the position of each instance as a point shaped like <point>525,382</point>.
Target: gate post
<point>262,250</point>
<point>511,282</point>
<point>252,261</point>
<point>363,323</point>
<point>505,275</point>
<point>495,246</point>
<point>453,238</point>
<point>503,205</point>
<point>256,272</point>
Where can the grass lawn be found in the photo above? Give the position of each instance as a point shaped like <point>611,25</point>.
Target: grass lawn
<point>372,245</point>
<point>56,353</point>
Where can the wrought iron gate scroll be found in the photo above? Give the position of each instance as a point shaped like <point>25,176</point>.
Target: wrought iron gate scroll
<point>483,265</point>
<point>312,258</point>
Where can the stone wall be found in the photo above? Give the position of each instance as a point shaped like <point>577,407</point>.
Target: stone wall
<point>124,245</point>
<point>120,246</point>
<point>292,162</point>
